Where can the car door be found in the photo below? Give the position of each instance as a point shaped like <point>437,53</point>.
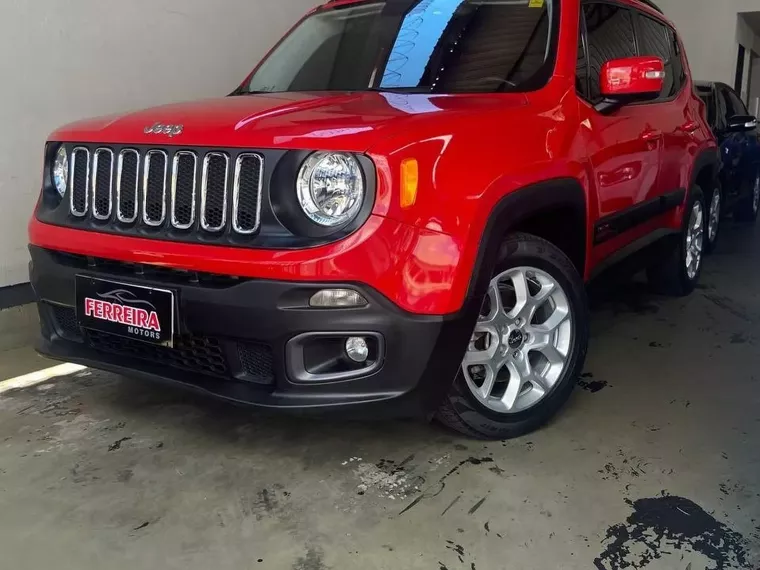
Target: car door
<point>733,145</point>
<point>673,110</point>
<point>623,147</point>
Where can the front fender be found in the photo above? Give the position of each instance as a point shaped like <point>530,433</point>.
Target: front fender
<point>517,206</point>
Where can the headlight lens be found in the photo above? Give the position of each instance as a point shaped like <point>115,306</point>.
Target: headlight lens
<point>330,188</point>
<point>61,170</point>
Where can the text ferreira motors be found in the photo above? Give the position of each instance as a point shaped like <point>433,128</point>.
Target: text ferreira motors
<point>122,314</point>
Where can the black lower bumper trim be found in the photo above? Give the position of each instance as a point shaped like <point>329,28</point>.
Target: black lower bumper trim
<point>233,338</point>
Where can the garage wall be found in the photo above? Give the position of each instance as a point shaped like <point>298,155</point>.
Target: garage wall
<point>61,60</point>
<point>754,89</point>
<point>711,31</point>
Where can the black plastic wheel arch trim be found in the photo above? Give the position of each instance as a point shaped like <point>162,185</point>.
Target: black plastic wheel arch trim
<point>516,207</point>
<point>709,158</point>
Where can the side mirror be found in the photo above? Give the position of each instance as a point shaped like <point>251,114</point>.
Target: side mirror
<point>742,123</point>
<point>629,80</point>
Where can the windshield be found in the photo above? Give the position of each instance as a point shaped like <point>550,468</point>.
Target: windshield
<point>419,46</point>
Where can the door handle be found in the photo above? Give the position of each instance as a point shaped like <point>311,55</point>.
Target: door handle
<point>651,138</point>
<point>690,127</point>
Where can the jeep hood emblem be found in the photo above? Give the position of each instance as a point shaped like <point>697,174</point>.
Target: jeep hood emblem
<point>161,129</point>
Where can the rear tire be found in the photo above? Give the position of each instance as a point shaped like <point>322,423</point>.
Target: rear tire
<point>747,208</point>
<point>537,332</point>
<point>678,264</point>
<point>714,217</point>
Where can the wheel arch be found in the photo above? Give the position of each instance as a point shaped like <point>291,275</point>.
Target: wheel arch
<point>705,170</point>
<point>536,208</point>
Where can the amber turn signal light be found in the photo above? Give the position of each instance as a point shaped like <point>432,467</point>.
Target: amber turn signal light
<point>410,178</point>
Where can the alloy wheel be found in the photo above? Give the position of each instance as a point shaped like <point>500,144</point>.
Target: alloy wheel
<point>694,240</point>
<point>521,343</point>
<point>713,222</point>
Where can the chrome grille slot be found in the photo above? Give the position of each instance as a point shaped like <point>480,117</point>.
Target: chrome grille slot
<point>127,186</point>
<point>80,181</point>
<point>214,191</point>
<point>102,183</point>
<point>154,188</point>
<point>184,176</point>
<point>246,193</point>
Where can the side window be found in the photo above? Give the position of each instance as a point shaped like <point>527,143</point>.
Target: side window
<point>734,105</point>
<point>723,110</point>
<point>610,36</point>
<point>709,96</point>
<point>657,40</point>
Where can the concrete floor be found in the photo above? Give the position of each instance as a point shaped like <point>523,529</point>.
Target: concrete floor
<point>655,464</point>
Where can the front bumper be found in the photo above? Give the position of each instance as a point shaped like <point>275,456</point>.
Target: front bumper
<point>235,339</point>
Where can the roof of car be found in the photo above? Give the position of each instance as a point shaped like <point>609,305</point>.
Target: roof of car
<point>652,5</point>
<point>702,84</point>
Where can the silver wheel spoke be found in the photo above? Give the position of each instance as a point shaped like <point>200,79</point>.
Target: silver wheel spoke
<point>522,295</point>
<point>538,340</point>
<point>528,375</point>
<point>553,356</point>
<point>514,387</point>
<point>473,357</point>
<point>487,387</point>
<point>496,313</point>
<point>555,320</point>
<point>541,386</point>
<point>547,288</point>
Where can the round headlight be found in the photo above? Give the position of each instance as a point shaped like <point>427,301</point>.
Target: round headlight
<point>330,188</point>
<point>61,170</point>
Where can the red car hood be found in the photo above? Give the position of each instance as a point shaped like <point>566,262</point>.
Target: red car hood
<point>334,121</point>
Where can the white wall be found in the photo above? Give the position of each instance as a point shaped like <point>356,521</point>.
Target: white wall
<point>711,31</point>
<point>61,60</point>
<point>754,88</point>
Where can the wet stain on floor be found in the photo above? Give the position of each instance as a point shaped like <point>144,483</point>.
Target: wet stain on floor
<point>586,382</point>
<point>663,525</point>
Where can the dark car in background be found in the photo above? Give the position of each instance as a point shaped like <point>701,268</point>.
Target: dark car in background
<point>736,131</point>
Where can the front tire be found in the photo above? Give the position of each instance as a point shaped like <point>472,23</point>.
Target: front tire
<point>678,264</point>
<point>528,347</point>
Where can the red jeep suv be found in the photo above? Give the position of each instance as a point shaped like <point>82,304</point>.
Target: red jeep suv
<point>397,210</point>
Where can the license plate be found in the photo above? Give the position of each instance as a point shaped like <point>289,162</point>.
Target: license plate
<point>140,313</point>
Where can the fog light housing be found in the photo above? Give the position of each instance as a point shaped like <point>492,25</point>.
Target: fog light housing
<point>322,357</point>
<point>357,349</point>
<point>337,298</point>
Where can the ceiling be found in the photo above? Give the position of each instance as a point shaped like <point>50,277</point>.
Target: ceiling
<point>753,19</point>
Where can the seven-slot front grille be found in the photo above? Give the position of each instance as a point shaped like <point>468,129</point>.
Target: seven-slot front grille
<point>153,189</point>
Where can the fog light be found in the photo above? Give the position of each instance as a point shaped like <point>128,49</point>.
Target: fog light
<point>357,349</point>
<point>331,298</point>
